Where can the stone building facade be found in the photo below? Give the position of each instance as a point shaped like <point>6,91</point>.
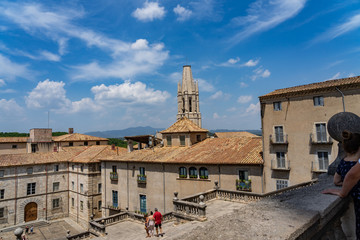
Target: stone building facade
<point>188,97</point>
<point>297,146</point>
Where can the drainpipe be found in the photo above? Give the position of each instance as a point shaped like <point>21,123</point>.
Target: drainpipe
<point>127,185</point>
<point>16,183</point>
<point>343,98</point>
<point>164,186</point>
<point>46,191</point>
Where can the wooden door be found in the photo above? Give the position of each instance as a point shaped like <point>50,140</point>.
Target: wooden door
<point>30,212</point>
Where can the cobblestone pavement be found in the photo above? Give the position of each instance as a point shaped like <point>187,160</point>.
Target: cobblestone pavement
<point>56,230</point>
<point>134,230</point>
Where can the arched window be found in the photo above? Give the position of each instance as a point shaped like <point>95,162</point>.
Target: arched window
<point>182,172</point>
<point>204,174</point>
<point>193,172</point>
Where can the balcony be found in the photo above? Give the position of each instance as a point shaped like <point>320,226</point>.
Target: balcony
<point>243,185</point>
<point>113,176</point>
<point>325,141</point>
<point>141,179</point>
<point>320,167</point>
<point>281,165</point>
<point>279,140</point>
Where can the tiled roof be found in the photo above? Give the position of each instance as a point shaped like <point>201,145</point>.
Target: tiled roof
<point>83,154</point>
<point>77,137</point>
<point>240,151</point>
<point>325,86</point>
<point>234,134</point>
<point>13,139</point>
<point>184,125</point>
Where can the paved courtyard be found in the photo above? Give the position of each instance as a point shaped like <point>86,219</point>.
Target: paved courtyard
<point>56,230</point>
<point>134,230</point>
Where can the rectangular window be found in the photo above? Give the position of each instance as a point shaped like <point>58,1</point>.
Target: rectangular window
<point>115,198</point>
<point>190,105</point>
<point>56,168</point>
<point>56,203</point>
<point>14,146</point>
<point>2,212</point>
<point>114,169</point>
<point>100,167</point>
<point>281,184</point>
<point>2,173</point>
<point>31,187</point>
<point>82,168</point>
<point>2,193</point>
<point>279,134</point>
<point>99,206</point>
<point>143,203</point>
<point>142,171</point>
<point>56,186</point>
<point>99,188</point>
<point>321,132</point>
<point>86,143</point>
<point>72,202</point>
<point>81,205</point>
<point>182,140</point>
<point>243,175</point>
<point>277,106</point>
<point>97,142</point>
<point>81,188</point>
<point>280,159</point>
<point>71,144</point>
<point>319,101</point>
<point>198,138</point>
<point>29,170</point>
<point>168,140</point>
<point>73,167</point>
<point>323,158</point>
<point>72,185</point>
<point>33,148</point>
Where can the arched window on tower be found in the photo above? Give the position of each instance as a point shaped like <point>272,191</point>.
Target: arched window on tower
<point>190,106</point>
<point>183,107</point>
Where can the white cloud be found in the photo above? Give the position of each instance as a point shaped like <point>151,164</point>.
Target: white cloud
<point>149,12</point>
<point>216,116</point>
<point>182,13</point>
<point>205,86</point>
<point>264,15</point>
<point>336,76</point>
<point>128,59</point>
<point>244,99</point>
<point>11,70</point>
<point>253,109</point>
<point>176,77</point>
<point>232,109</point>
<point>9,107</point>
<point>351,24</point>
<point>50,56</point>
<point>233,60</point>
<point>128,93</point>
<point>2,83</point>
<point>220,95</point>
<point>260,73</point>
<point>251,63</point>
<point>243,85</point>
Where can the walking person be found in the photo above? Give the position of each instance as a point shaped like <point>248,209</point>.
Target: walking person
<point>151,224</point>
<point>158,217</point>
<point>147,225</point>
<point>32,229</point>
<point>27,229</point>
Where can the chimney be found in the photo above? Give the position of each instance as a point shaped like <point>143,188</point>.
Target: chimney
<point>71,130</point>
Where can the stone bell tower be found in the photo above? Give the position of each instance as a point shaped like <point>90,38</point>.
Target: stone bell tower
<point>188,97</point>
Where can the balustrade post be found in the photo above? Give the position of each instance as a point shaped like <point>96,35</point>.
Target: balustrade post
<point>202,206</point>
<point>175,199</point>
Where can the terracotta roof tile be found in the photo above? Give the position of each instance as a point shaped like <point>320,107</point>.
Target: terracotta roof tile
<point>210,151</point>
<point>234,134</point>
<point>77,137</point>
<point>329,85</point>
<point>184,125</point>
<point>83,154</point>
<point>13,139</point>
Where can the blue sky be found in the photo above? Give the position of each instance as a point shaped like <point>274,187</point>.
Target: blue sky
<point>103,65</point>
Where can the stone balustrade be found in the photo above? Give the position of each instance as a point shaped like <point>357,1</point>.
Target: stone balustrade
<point>82,235</point>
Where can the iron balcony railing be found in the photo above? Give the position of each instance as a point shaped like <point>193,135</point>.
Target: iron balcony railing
<point>141,178</point>
<point>280,164</point>
<point>279,139</point>
<point>113,176</point>
<point>320,140</point>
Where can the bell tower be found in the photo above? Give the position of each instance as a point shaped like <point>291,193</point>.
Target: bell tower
<point>188,97</point>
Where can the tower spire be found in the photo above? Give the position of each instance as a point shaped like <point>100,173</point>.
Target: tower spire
<point>188,97</point>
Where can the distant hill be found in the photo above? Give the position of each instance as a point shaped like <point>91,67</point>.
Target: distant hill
<point>133,131</point>
<point>256,132</point>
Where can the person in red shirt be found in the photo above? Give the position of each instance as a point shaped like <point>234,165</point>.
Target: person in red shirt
<point>158,217</point>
